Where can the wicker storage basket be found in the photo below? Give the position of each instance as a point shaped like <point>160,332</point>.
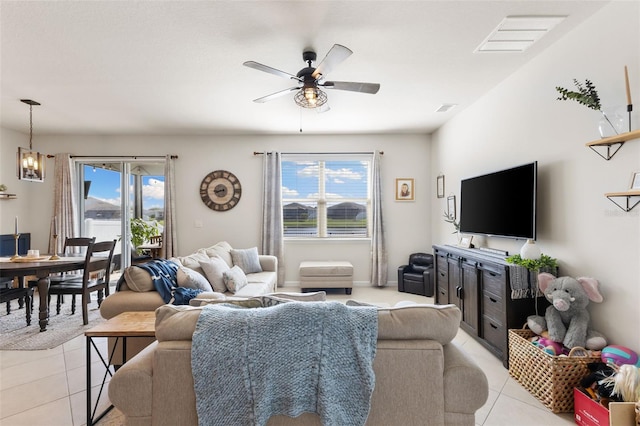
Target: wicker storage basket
<point>549,378</point>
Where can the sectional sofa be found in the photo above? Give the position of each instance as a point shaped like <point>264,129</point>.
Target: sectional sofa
<point>202,269</point>
<point>421,376</point>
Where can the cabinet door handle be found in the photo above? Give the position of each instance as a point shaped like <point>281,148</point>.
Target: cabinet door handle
<point>493,300</point>
<point>495,327</point>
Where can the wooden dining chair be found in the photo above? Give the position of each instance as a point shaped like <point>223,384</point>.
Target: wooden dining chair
<point>95,277</point>
<point>23,294</point>
<point>73,246</point>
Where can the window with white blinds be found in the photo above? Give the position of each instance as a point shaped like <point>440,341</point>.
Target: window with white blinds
<point>326,196</point>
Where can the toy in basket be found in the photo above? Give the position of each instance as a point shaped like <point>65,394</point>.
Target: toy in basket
<point>567,319</point>
<point>550,378</point>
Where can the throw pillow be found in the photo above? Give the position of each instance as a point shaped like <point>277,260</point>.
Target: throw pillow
<point>192,261</point>
<point>214,268</point>
<point>234,279</point>
<point>247,260</point>
<point>138,279</point>
<point>222,250</point>
<point>191,279</point>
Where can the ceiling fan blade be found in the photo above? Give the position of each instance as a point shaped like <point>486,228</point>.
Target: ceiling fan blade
<point>352,86</point>
<point>335,56</point>
<point>270,70</point>
<point>276,95</point>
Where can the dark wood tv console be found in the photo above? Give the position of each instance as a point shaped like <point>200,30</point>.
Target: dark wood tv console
<point>478,282</point>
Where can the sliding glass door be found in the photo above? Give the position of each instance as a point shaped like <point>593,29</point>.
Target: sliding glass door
<point>113,193</point>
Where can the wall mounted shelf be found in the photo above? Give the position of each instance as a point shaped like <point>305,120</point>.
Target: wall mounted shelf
<point>630,199</point>
<point>613,143</point>
<point>5,196</point>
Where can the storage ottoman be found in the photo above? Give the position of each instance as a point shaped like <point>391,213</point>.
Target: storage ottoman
<point>323,274</point>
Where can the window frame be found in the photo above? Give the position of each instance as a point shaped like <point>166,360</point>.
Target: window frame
<point>322,202</point>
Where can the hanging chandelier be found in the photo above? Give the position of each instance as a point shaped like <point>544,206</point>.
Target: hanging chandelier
<point>30,163</point>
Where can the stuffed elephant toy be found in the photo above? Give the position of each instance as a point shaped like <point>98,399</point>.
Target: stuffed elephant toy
<point>567,320</point>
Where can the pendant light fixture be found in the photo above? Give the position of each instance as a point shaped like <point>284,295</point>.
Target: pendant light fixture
<point>30,163</point>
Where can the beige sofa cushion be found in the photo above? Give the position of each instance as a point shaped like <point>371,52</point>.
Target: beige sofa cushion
<point>221,249</point>
<point>193,260</point>
<point>436,322</point>
<point>214,268</point>
<point>187,277</point>
<point>426,321</point>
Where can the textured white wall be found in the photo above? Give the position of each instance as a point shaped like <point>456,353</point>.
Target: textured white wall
<point>520,121</point>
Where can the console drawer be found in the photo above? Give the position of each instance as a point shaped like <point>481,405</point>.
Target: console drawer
<point>494,332</point>
<point>443,295</point>
<point>492,306</point>
<point>493,282</point>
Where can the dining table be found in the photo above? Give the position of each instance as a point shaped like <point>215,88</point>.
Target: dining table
<point>42,267</point>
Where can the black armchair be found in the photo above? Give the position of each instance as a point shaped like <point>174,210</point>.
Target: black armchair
<point>417,276</point>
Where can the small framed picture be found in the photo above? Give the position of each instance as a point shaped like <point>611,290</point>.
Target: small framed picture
<point>405,189</point>
<point>635,180</point>
<point>440,186</point>
<point>466,241</point>
<point>451,206</point>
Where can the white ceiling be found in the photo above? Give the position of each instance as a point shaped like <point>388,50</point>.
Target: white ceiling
<point>175,67</point>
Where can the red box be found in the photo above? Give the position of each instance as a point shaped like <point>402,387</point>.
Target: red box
<point>588,412</point>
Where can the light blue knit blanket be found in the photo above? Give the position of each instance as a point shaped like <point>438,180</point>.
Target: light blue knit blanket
<point>292,358</point>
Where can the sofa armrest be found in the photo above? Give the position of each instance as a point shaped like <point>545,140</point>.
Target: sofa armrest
<point>134,378</point>
<point>268,263</point>
<point>401,270</point>
<point>128,300</point>
<point>466,388</point>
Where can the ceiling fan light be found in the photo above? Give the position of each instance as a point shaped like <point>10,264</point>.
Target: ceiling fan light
<point>310,97</point>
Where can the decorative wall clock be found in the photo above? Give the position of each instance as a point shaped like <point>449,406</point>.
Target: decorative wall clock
<point>220,190</point>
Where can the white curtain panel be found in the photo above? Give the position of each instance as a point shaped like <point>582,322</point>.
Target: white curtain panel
<point>64,202</point>
<point>378,247</point>
<point>272,221</point>
<point>169,239</point>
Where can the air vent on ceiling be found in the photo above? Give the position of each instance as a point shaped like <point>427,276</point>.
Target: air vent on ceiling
<point>518,33</point>
<point>446,107</point>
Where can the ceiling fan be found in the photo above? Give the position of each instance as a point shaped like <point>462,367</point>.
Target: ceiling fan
<point>311,79</point>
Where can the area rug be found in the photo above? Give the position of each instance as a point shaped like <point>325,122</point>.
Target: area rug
<point>16,336</point>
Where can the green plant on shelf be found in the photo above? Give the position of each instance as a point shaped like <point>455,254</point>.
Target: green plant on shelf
<point>586,95</point>
<point>544,263</point>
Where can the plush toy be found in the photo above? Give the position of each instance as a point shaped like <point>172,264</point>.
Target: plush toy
<point>567,319</point>
<point>601,381</point>
<point>550,347</point>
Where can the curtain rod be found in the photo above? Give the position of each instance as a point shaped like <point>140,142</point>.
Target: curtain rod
<point>330,153</point>
<point>134,157</point>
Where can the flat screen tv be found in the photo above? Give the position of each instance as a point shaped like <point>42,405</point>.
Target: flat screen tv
<point>500,204</point>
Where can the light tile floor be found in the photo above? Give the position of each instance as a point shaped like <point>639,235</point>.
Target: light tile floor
<point>47,388</point>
